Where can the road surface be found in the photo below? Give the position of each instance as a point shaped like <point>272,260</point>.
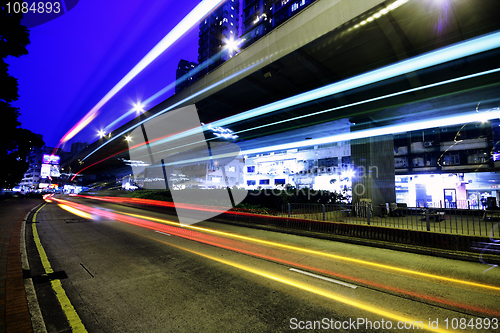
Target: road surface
<point>126,269</point>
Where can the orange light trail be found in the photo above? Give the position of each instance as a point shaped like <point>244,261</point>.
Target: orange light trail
<point>121,152</point>
<point>174,228</point>
<point>313,252</point>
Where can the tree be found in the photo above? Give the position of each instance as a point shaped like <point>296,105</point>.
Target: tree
<point>15,142</point>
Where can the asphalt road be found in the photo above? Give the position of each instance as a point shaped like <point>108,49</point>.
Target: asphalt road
<point>131,270</point>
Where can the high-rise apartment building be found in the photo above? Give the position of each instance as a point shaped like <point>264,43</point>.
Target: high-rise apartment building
<point>220,37</point>
<point>257,19</point>
<point>218,33</point>
<point>262,16</point>
<point>284,9</point>
<point>184,75</point>
<point>77,146</point>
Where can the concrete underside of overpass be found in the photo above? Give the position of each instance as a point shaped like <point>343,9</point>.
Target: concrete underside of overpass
<point>326,43</point>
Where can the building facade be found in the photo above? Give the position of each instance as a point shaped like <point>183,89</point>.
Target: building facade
<point>217,35</point>
<point>42,170</point>
<point>257,20</point>
<point>448,167</point>
<point>184,75</point>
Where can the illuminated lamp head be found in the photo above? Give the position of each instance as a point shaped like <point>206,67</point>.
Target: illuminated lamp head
<point>138,107</point>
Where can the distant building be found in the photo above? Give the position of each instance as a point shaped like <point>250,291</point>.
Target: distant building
<point>220,37</point>
<point>76,147</point>
<point>284,9</point>
<point>262,16</point>
<point>40,169</point>
<point>257,19</point>
<point>184,75</point>
<point>217,33</point>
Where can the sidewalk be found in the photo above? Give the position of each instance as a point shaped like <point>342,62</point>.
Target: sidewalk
<point>14,314</point>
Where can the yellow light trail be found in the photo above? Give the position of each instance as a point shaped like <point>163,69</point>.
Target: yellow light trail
<point>76,211</point>
<point>309,288</point>
<point>323,254</point>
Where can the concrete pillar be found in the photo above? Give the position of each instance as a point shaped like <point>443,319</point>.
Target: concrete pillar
<point>373,162</point>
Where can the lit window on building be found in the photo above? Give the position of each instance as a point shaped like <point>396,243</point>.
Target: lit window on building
<point>451,159</point>
<point>477,157</point>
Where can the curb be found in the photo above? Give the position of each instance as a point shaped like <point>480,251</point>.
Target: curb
<point>34,308</point>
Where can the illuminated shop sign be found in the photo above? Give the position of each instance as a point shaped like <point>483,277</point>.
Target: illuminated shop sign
<point>51,159</point>
<point>45,171</point>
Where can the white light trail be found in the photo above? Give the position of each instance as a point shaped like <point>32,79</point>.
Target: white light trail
<point>453,52</point>
<point>177,105</point>
<point>432,85</point>
<point>193,18</point>
<point>449,53</point>
<point>374,132</point>
<point>433,58</point>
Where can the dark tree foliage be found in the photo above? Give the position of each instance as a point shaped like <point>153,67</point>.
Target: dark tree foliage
<point>15,142</point>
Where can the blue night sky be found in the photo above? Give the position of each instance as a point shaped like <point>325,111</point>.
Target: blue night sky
<point>75,59</point>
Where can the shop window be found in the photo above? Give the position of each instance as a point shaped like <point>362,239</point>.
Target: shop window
<point>451,159</point>
<point>346,161</point>
<point>279,182</point>
<point>328,162</point>
<point>400,162</point>
<point>418,162</point>
<point>478,157</point>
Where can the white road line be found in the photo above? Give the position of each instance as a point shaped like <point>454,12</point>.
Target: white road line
<point>164,233</point>
<point>325,278</point>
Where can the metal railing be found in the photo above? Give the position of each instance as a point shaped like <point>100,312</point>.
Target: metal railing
<point>458,221</point>
<point>459,204</point>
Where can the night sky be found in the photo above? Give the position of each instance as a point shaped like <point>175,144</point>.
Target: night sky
<point>75,59</point>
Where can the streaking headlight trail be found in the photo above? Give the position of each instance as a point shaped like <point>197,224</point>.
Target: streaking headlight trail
<point>193,18</point>
<point>374,132</point>
<point>446,54</point>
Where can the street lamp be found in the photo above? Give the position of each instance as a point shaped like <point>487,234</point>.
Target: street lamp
<point>101,133</point>
<point>138,107</point>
